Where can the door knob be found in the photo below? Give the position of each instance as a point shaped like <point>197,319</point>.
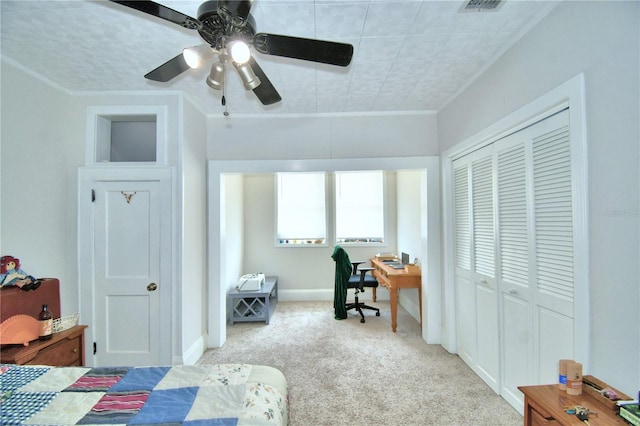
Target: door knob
<point>152,287</point>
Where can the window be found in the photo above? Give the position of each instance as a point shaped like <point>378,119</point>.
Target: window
<point>359,207</point>
<point>301,209</point>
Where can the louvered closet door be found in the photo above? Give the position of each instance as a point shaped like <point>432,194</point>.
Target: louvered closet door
<point>535,252</point>
<point>554,248</point>
<point>465,289</point>
<point>514,252</point>
<point>488,355</point>
<point>478,329</point>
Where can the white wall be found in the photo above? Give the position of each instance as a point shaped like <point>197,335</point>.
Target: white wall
<point>321,136</point>
<point>601,40</point>
<point>224,247</point>
<point>193,292</point>
<point>39,160</point>
<point>232,230</point>
<point>409,227</point>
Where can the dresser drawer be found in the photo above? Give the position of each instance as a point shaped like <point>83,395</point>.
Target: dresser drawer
<point>538,419</point>
<point>65,348</point>
<point>63,353</point>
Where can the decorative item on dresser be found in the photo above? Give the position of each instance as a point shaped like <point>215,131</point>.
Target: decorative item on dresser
<point>14,301</point>
<point>64,348</point>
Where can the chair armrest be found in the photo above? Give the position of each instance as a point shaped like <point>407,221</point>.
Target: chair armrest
<point>363,271</point>
<point>354,266</point>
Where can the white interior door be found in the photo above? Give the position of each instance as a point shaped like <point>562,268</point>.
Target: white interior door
<point>131,272</point>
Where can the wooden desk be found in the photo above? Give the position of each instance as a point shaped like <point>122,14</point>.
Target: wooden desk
<point>545,405</point>
<point>394,280</point>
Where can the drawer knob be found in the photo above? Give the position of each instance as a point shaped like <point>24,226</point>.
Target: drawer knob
<point>152,287</point>
<point>75,350</point>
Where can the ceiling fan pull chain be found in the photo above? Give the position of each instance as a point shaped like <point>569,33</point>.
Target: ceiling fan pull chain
<point>224,104</point>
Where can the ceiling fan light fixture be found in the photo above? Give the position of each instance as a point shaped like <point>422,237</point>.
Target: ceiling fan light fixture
<point>249,78</point>
<point>240,52</point>
<point>194,56</point>
<point>215,79</point>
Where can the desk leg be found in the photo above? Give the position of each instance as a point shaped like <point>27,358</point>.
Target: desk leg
<point>393,293</point>
<point>374,294</point>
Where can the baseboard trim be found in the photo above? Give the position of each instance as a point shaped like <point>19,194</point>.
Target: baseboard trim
<point>316,295</point>
<point>194,352</point>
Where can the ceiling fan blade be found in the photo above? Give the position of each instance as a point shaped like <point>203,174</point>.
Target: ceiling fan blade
<point>265,91</point>
<point>326,52</point>
<point>163,12</point>
<point>170,69</point>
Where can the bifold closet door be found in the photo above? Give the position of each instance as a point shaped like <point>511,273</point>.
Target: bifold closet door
<point>478,327</point>
<point>515,256</point>
<point>535,252</point>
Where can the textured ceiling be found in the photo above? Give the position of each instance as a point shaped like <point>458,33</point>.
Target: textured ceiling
<point>409,55</point>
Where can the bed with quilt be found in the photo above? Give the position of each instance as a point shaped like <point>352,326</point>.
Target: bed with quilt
<point>219,394</point>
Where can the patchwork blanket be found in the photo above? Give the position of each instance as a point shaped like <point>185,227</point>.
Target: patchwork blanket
<point>224,394</point>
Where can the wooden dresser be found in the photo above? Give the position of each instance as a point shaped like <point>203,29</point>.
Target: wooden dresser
<point>63,349</point>
<point>546,405</point>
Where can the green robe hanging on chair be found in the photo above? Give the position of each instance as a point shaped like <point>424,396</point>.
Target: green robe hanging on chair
<point>343,272</point>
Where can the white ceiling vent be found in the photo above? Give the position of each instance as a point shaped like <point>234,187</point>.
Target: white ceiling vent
<point>481,5</point>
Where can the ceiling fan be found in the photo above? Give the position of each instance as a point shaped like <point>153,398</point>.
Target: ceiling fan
<point>228,29</point>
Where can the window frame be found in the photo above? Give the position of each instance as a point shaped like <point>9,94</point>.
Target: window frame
<point>303,243</point>
<point>384,212</point>
<point>330,193</point>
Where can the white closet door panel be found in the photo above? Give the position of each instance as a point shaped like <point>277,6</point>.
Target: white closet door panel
<point>466,318</point>
<point>555,341</point>
<point>517,347</point>
<point>513,216</point>
<point>462,217</point>
<point>552,189</point>
<point>483,227</point>
<point>488,352</point>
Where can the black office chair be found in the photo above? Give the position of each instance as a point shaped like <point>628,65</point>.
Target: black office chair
<point>359,280</point>
<point>351,275</point>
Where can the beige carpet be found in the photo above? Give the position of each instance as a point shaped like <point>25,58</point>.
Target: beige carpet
<point>345,372</point>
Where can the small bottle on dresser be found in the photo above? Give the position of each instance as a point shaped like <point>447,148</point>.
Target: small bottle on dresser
<point>46,323</point>
<point>574,378</point>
